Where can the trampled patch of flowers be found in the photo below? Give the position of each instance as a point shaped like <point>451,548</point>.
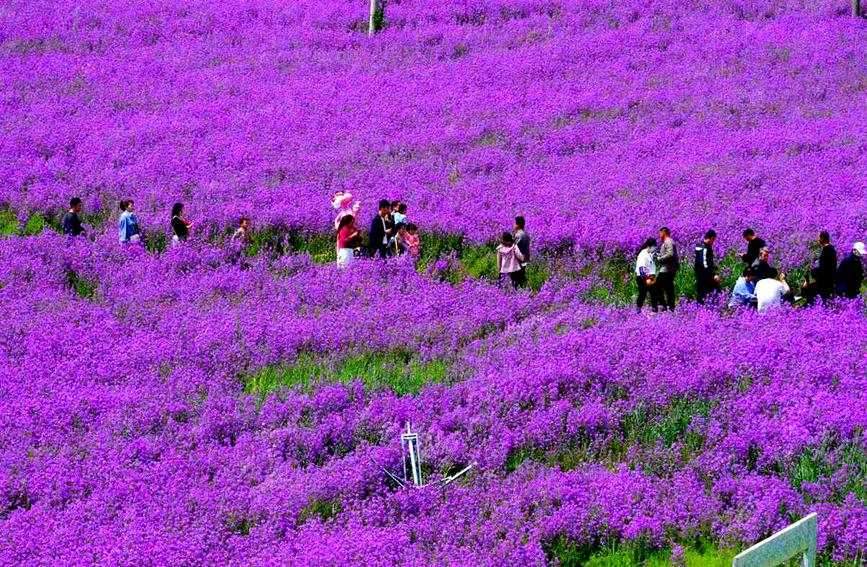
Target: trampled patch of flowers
<point>127,434</point>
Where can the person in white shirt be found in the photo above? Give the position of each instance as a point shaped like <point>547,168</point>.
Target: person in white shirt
<point>645,275</point>
<point>770,292</point>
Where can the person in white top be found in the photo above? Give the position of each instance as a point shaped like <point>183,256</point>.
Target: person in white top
<point>770,292</point>
<point>645,276</point>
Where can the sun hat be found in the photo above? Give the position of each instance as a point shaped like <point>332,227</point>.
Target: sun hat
<point>859,248</point>
<point>341,199</point>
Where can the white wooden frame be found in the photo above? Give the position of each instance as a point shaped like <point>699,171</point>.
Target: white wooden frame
<point>799,538</point>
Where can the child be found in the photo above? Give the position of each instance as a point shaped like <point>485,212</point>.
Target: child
<point>242,235</point>
<point>397,245</point>
<point>509,259</point>
<point>412,240</point>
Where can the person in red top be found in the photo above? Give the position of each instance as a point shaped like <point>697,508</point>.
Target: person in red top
<point>348,239</point>
<point>412,240</point>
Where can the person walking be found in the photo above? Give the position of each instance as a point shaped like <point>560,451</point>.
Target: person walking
<point>754,246</point>
<point>667,263</point>
<point>706,278</point>
<point>128,226</point>
<point>348,239</point>
<point>380,230</point>
<point>180,225</point>
<point>770,292</point>
<point>824,273</point>
<point>645,276</point>
<point>509,259</point>
<point>522,241</point>
<point>850,273</point>
<point>72,219</point>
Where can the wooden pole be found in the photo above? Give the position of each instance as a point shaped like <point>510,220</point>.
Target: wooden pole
<point>856,8</point>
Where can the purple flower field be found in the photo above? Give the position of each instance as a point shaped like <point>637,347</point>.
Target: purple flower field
<point>200,406</point>
<point>601,121</point>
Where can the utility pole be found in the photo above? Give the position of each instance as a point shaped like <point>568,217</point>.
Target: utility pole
<point>377,16</point>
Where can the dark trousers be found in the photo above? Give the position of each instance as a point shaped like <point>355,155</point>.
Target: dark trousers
<point>643,291</point>
<point>665,281</point>
<point>518,279</point>
<point>704,286</point>
<point>813,290</point>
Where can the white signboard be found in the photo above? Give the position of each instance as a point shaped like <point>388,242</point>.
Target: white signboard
<point>797,539</point>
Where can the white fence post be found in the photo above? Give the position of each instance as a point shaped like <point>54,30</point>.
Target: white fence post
<point>799,538</point>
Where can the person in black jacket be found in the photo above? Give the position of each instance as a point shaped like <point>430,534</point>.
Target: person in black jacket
<point>706,278</point>
<point>824,274</point>
<point>381,230</point>
<point>72,219</point>
<point>762,267</point>
<point>850,274</point>
<point>180,225</point>
<point>754,247</point>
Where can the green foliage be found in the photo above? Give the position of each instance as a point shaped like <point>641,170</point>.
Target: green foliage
<point>156,242</point>
<point>321,509</point>
<point>320,247</point>
<point>83,287</point>
<point>562,551</point>
<point>823,462</point>
<point>399,371</point>
<point>8,223</point>
<point>645,426</point>
<point>34,225</point>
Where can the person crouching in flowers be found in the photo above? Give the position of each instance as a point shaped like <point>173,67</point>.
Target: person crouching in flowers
<point>128,227</point>
<point>241,237</point>
<point>509,259</point>
<point>348,239</point>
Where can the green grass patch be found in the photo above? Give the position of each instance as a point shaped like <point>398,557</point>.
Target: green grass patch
<point>321,509</point>
<point>35,224</point>
<point>399,371</point>
<point>83,287</point>
<point>823,462</point>
<point>562,551</point>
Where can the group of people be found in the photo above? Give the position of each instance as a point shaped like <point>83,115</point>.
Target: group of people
<point>129,228</point>
<point>760,285</point>
<point>391,232</point>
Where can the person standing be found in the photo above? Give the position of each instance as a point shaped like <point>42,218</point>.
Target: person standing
<point>522,241</point>
<point>509,259</point>
<point>72,219</point>
<point>824,273</point>
<point>242,234</point>
<point>770,292</point>
<point>413,240</point>
<point>754,246</point>
<point>645,276</point>
<point>380,230</point>
<point>180,225</point>
<point>128,226</point>
<point>850,274</point>
<point>667,263</point>
<point>706,278</point>
<point>762,265</point>
<point>348,239</point>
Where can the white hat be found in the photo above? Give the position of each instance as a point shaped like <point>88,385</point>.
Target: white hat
<point>859,248</point>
